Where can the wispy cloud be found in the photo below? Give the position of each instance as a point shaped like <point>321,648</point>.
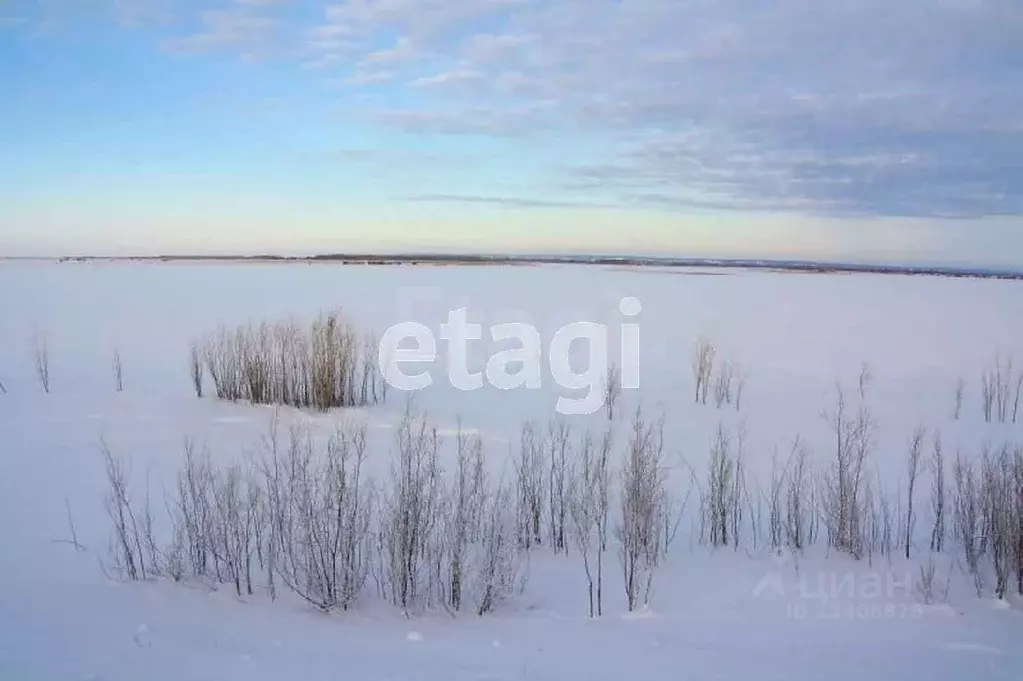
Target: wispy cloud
<point>871,107</point>
<point>504,201</point>
<point>249,34</point>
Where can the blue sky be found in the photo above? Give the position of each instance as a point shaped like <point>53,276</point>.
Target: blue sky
<point>865,130</point>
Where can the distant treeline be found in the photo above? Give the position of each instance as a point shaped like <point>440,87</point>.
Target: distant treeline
<point>630,261</point>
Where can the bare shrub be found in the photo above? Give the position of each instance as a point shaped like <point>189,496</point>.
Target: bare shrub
<point>117,367</point>
<point>126,549</point>
<point>960,390</point>
<point>318,508</point>
<point>912,472</point>
<point>330,365</point>
<point>638,525</point>
<point>703,368</point>
<point>926,582</point>
<point>71,528</point>
<point>41,359</point>
<point>1016,394</point>
<point>498,569</point>
<point>303,515</point>
<point>723,384</point>
<point>3,390</point>
<point>1017,475</point>
<point>1003,377</point>
<point>987,395</point>
<point>999,498</point>
<point>1001,387</point>
<point>410,511</point>
<point>195,368</point>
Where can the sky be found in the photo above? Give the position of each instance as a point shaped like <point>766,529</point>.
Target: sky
<point>866,130</point>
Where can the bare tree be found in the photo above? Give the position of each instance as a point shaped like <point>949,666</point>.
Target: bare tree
<point>999,510</point>
<point>938,495</point>
<point>612,389</point>
<point>741,376</point>
<point>738,491</point>
<point>779,478</point>
<point>703,368</point>
<point>720,487</point>
<point>1015,399</point>
<point>41,359</point>
<point>968,518</point>
<point>723,384</point>
<point>559,446</point>
<point>410,511</point>
<point>843,481</point>
<point>912,471</point>
<point>498,569</point>
<point>987,395</point>
<point>638,524</point>
<point>584,509</point>
<point>529,485</point>
<point>865,379</point>
<point>465,515</point>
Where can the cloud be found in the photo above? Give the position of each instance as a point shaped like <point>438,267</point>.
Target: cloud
<point>863,107</point>
<point>503,201</point>
<point>456,77</point>
<point>241,31</point>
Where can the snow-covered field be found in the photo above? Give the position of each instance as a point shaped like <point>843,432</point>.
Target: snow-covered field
<point>728,613</point>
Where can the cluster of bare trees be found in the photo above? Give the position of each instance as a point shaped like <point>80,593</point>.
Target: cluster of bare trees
<point>726,378</point>
<point>304,514</point>
<point>331,364</point>
<point>579,489</point>
<point>1000,388</point>
<point>441,530</point>
<point>725,489</point>
<point>988,516</point>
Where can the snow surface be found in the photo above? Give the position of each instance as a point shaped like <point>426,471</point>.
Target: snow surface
<point>727,614</point>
